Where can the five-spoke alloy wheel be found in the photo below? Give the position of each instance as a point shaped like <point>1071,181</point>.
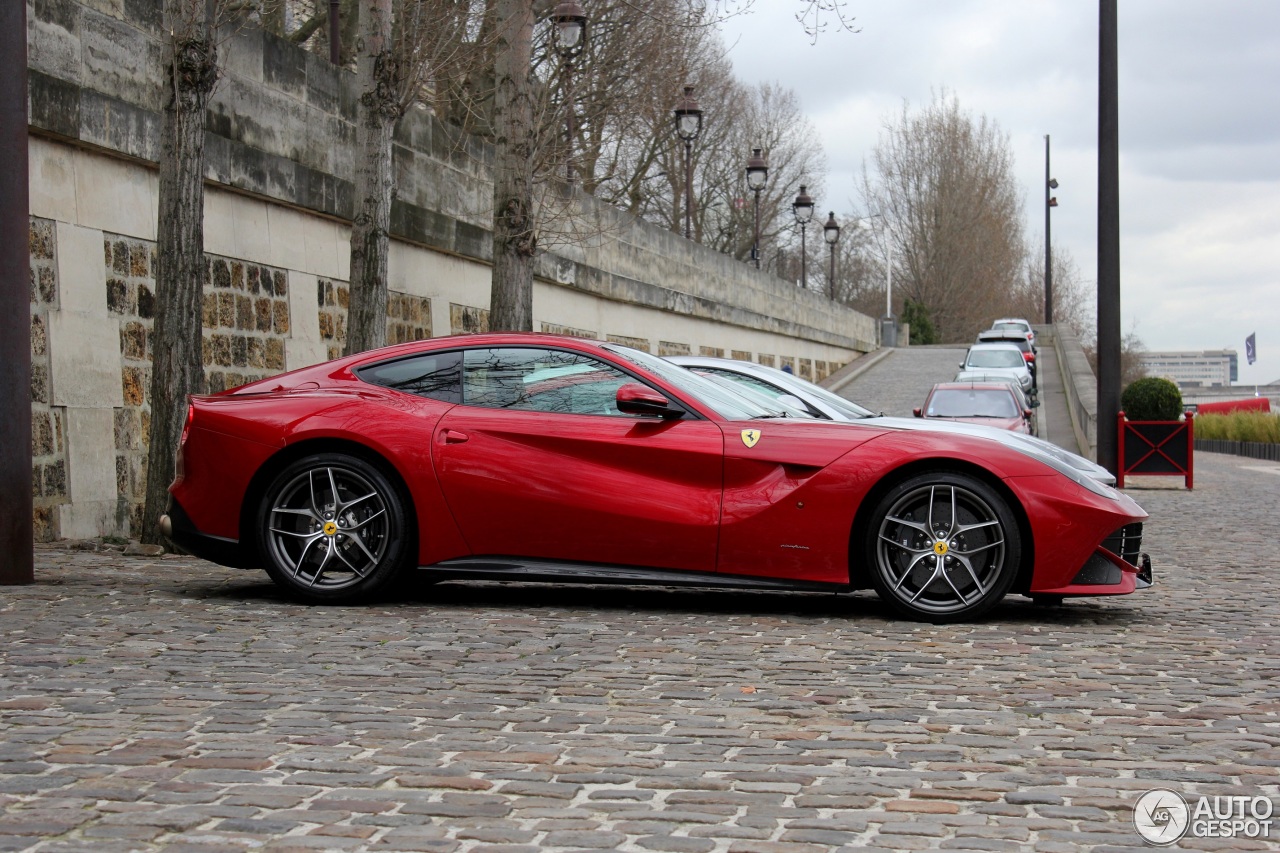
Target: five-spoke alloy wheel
<point>331,527</point>
<point>943,546</point>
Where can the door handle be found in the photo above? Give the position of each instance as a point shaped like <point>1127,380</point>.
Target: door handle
<point>452,436</point>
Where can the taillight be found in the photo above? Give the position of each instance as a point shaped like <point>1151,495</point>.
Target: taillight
<point>186,427</point>
<point>179,469</point>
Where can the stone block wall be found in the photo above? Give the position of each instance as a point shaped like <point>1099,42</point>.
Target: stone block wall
<point>48,422</point>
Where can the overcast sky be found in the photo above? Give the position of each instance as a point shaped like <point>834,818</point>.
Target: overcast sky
<point>1199,134</point>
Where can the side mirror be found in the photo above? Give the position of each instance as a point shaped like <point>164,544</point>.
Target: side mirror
<point>1026,414</point>
<point>793,401</point>
<point>917,413</point>
<point>962,365</point>
<point>636,399</point>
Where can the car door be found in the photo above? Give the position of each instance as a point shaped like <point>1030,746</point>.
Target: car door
<point>538,462</point>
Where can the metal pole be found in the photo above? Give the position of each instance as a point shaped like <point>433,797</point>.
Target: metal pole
<point>688,189</point>
<point>804,272</point>
<point>335,36</point>
<point>832,277</point>
<point>569,126</point>
<point>1048,251</point>
<point>888,274</point>
<point>16,526</point>
<point>755,245</point>
<point>1108,239</point>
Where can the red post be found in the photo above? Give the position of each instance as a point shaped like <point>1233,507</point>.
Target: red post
<point>1191,448</point>
<point>1120,450</point>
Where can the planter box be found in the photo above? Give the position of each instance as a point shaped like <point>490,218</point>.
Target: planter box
<point>1161,448</point>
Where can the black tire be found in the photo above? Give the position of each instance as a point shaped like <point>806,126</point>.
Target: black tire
<point>942,547</point>
<point>332,528</point>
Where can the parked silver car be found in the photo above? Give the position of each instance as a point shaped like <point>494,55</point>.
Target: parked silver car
<point>825,405</point>
<point>996,361</point>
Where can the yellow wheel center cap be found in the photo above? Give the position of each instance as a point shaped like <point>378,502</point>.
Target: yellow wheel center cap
<point>940,548</point>
<point>330,528</point>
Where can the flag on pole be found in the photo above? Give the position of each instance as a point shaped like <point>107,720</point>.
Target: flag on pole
<point>1251,348</point>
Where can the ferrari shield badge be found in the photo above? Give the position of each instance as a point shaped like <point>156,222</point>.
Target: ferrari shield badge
<point>750,437</point>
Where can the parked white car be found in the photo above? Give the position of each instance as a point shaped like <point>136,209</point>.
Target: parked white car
<point>1015,324</point>
<point>826,405</point>
<point>996,361</point>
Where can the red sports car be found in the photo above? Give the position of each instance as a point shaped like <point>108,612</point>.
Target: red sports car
<point>537,457</point>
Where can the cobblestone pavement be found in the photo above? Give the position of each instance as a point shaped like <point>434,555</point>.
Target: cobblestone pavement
<point>169,704</point>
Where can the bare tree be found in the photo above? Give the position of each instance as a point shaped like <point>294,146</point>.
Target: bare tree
<point>401,42</point>
<point>177,369</point>
<point>945,183</point>
<point>515,238</point>
<point>1072,295</point>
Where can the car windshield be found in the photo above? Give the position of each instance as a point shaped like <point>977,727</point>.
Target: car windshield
<point>997,358</point>
<point>725,403</point>
<point>971,403</point>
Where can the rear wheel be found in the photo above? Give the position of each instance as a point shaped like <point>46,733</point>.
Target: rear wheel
<point>333,528</point>
<point>944,546</point>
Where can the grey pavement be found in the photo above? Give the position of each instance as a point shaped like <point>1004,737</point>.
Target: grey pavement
<point>167,704</point>
<point>900,381</point>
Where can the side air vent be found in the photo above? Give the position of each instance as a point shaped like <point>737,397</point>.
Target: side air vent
<point>1126,543</point>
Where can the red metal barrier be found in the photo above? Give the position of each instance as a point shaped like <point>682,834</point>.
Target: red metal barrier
<point>1161,448</point>
<point>1226,407</point>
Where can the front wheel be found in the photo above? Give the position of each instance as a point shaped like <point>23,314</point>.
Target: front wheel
<point>333,528</point>
<point>943,546</point>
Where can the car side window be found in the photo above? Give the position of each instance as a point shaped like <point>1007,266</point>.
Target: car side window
<point>437,375</point>
<point>540,380</point>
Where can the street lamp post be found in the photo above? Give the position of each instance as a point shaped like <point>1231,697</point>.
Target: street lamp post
<point>831,233</point>
<point>802,209</point>
<point>570,40</point>
<point>757,176</point>
<point>1050,202</point>
<point>688,126</point>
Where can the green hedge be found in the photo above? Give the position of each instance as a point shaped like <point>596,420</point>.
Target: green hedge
<point>1152,399</point>
<point>1261,427</point>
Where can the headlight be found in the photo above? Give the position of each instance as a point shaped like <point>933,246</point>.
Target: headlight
<point>1066,469</point>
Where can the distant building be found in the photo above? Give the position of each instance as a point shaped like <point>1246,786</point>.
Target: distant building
<point>1203,369</point>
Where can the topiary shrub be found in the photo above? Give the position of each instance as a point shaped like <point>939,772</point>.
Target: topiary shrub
<point>1152,399</point>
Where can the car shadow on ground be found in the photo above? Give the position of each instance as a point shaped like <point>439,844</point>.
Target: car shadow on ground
<point>862,607</point>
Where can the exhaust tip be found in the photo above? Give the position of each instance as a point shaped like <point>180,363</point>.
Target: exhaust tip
<point>166,525</point>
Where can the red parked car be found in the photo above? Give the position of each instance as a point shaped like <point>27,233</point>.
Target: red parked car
<point>993,404</point>
<point>513,456</point>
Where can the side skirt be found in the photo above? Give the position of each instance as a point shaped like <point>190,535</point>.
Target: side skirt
<point>511,569</point>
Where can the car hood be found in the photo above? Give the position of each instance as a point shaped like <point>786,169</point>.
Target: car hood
<point>1010,439</point>
<point>1014,423</point>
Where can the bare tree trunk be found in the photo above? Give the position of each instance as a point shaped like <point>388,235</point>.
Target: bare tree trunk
<point>515,241</point>
<point>176,341</point>
<point>376,115</point>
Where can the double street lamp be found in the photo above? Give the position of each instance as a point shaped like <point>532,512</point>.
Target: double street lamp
<point>802,209</point>
<point>1050,202</point>
<point>757,177</point>
<point>570,40</point>
<point>688,126</point>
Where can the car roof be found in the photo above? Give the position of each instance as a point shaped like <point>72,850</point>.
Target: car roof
<point>994,345</point>
<point>1010,320</point>
<point>974,385</point>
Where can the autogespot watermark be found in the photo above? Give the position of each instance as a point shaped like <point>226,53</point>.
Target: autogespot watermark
<point>1162,817</point>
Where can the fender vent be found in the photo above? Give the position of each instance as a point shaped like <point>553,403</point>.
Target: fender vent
<point>1126,543</point>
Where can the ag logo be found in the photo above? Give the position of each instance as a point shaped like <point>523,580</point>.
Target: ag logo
<point>1161,816</point>
<point>750,437</point>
